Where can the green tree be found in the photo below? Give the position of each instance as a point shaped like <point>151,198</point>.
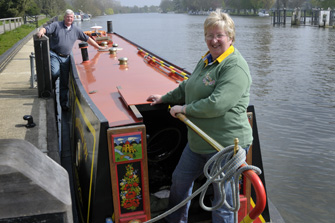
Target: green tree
<point>193,5</point>
<point>269,4</point>
<point>242,4</point>
<point>297,3</point>
<point>13,8</point>
<point>135,9</point>
<point>166,6</point>
<point>326,3</point>
<point>210,4</point>
<point>33,9</point>
<point>178,5</point>
<point>153,8</point>
<point>109,11</point>
<point>51,7</point>
<point>263,4</point>
<point>145,9</point>
<point>284,3</point>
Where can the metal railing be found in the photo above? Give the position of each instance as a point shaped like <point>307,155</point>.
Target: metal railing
<point>33,19</point>
<point>9,54</point>
<point>8,24</point>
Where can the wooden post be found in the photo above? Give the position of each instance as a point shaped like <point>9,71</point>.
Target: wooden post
<point>284,16</point>
<point>36,21</point>
<point>43,69</point>
<point>305,17</point>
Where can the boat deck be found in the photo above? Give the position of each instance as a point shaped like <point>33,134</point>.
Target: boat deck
<point>113,87</point>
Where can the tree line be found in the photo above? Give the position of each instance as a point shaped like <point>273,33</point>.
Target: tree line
<point>255,5</point>
<point>15,8</point>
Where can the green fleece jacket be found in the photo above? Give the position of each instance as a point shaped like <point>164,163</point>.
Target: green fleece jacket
<point>217,96</point>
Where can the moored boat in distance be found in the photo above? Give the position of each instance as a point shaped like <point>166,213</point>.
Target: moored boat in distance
<point>81,16</point>
<point>77,16</point>
<point>85,17</point>
<point>124,150</point>
<point>263,13</point>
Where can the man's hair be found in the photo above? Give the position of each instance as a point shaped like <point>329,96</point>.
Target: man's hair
<point>69,12</point>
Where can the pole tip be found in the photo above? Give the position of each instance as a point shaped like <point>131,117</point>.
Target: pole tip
<point>236,141</point>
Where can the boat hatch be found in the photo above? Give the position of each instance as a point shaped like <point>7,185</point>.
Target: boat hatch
<point>135,97</point>
<point>166,135</point>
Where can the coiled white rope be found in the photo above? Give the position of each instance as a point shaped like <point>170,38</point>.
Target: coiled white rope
<point>220,175</point>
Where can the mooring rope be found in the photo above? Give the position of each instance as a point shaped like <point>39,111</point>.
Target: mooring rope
<point>220,175</point>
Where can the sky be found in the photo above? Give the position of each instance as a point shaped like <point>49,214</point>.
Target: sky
<point>140,3</point>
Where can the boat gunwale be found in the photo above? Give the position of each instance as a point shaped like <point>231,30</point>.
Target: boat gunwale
<point>85,95</point>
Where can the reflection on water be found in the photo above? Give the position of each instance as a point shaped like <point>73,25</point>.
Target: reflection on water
<point>293,70</point>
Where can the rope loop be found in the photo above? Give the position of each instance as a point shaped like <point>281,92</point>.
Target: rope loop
<point>221,175</point>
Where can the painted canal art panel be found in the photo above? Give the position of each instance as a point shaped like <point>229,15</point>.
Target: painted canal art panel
<point>127,146</point>
<point>130,187</point>
<point>129,173</point>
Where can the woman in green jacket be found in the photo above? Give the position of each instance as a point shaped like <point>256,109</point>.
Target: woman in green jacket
<point>215,98</point>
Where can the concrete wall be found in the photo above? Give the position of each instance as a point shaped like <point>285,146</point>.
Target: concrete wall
<point>32,185</point>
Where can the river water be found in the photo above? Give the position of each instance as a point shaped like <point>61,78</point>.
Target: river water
<point>293,71</point>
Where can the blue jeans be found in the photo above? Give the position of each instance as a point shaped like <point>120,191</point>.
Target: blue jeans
<point>189,168</point>
<point>60,67</point>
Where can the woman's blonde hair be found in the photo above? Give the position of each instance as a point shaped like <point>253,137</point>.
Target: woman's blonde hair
<point>221,20</point>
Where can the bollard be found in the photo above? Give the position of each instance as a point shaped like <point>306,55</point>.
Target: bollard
<point>30,120</point>
<point>109,27</point>
<point>83,46</point>
<point>32,69</point>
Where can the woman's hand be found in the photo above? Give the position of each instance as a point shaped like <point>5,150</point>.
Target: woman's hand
<point>177,109</point>
<point>155,98</point>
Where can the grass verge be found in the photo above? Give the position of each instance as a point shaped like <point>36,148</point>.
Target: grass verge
<point>10,38</point>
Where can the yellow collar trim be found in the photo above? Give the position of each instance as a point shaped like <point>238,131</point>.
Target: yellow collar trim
<point>223,56</point>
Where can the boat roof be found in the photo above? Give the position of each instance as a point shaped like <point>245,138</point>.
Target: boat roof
<point>115,88</point>
<point>96,27</point>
